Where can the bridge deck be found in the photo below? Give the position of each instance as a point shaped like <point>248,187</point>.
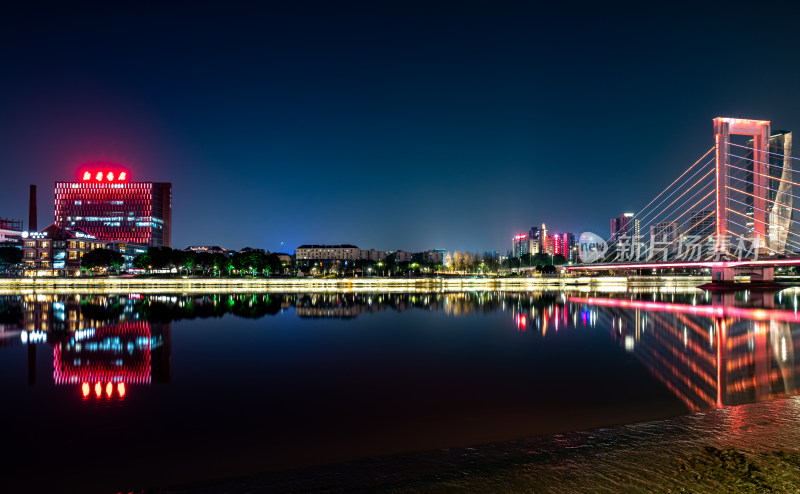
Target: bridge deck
<point>763,263</point>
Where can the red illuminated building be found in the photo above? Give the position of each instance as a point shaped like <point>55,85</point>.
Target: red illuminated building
<point>105,204</point>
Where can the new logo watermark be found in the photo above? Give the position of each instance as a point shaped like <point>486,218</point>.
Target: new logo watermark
<point>686,248</point>
<point>591,247</point>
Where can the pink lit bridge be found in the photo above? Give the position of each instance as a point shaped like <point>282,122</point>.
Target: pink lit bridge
<point>732,211</point>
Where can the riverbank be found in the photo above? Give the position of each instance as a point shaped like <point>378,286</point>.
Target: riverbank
<point>9,285</point>
<point>745,448</point>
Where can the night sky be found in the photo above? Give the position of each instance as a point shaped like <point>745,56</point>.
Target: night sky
<point>389,125</point>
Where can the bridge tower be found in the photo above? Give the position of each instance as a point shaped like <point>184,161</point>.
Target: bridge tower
<point>760,131</point>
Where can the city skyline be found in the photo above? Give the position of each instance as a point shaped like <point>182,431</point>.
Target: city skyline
<point>391,127</point>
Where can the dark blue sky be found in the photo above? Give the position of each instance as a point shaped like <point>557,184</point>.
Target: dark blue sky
<point>390,125</point>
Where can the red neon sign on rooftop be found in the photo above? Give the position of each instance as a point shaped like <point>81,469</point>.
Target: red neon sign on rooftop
<point>104,175</point>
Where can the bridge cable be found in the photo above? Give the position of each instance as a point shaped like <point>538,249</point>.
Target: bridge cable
<point>770,152</point>
<point>641,218</point>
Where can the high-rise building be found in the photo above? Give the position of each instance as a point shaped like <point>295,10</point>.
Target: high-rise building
<point>533,240</point>
<point>779,200</point>
<point>543,240</point>
<point>521,245</point>
<point>570,249</point>
<point>103,203</point>
<point>701,223</point>
<point>558,244</point>
<point>664,236</point>
<point>492,255</point>
<point>624,225</point>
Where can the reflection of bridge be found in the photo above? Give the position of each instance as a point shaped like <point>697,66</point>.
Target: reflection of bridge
<point>731,213</point>
<point>710,356</point>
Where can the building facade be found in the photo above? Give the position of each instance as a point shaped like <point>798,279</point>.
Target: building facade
<point>403,256</point>
<point>104,204</point>
<point>664,238</point>
<point>312,254</point>
<point>541,247</point>
<point>56,251</point>
<point>209,249</point>
<point>564,244</point>
<point>10,231</point>
<point>624,225</point>
<point>430,257</point>
<point>780,194</point>
<point>701,223</point>
<point>520,245</point>
<point>127,251</point>
<point>533,237</point>
<point>371,255</point>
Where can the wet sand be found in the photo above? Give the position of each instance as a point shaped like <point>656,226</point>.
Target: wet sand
<point>749,448</point>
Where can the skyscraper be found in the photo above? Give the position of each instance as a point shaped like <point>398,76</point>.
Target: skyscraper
<point>533,240</point>
<point>701,223</point>
<point>521,245</point>
<point>664,236</point>
<point>779,200</point>
<point>103,203</point>
<point>624,225</point>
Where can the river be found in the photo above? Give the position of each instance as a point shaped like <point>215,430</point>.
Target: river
<point>506,391</point>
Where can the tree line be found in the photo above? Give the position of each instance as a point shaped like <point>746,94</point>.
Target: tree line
<point>248,263</point>
<point>260,263</point>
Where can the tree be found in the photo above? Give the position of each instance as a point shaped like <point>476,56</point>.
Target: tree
<point>223,263</point>
<point>546,269</point>
<point>390,263</point>
<point>9,256</point>
<point>142,261</point>
<point>460,260</point>
<point>205,261</point>
<point>541,259</point>
<point>102,258</point>
<point>559,259</point>
<point>274,264</point>
<point>189,261</point>
<point>252,262</point>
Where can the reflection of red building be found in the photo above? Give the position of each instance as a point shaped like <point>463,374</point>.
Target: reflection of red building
<point>107,354</point>
<point>104,204</point>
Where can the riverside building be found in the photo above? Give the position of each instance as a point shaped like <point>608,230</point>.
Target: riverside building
<point>103,203</point>
<point>56,251</point>
<point>10,231</point>
<point>309,254</point>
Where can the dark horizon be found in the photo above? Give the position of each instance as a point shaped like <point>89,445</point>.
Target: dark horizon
<point>388,126</point>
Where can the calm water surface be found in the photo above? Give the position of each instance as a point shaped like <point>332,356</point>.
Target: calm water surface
<point>121,392</point>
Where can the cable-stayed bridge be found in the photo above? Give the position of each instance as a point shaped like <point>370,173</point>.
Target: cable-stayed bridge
<point>733,211</point>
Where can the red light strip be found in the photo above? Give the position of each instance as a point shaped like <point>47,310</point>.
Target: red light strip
<point>700,310</point>
<point>695,264</point>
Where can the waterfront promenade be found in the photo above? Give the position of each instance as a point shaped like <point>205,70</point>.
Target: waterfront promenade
<point>11,285</point>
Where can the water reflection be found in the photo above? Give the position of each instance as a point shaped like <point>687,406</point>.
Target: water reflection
<point>279,381</point>
<point>714,355</point>
<point>100,344</point>
<point>710,351</point>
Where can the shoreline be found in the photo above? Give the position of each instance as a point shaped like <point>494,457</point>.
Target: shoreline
<point>343,283</point>
<point>697,451</point>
